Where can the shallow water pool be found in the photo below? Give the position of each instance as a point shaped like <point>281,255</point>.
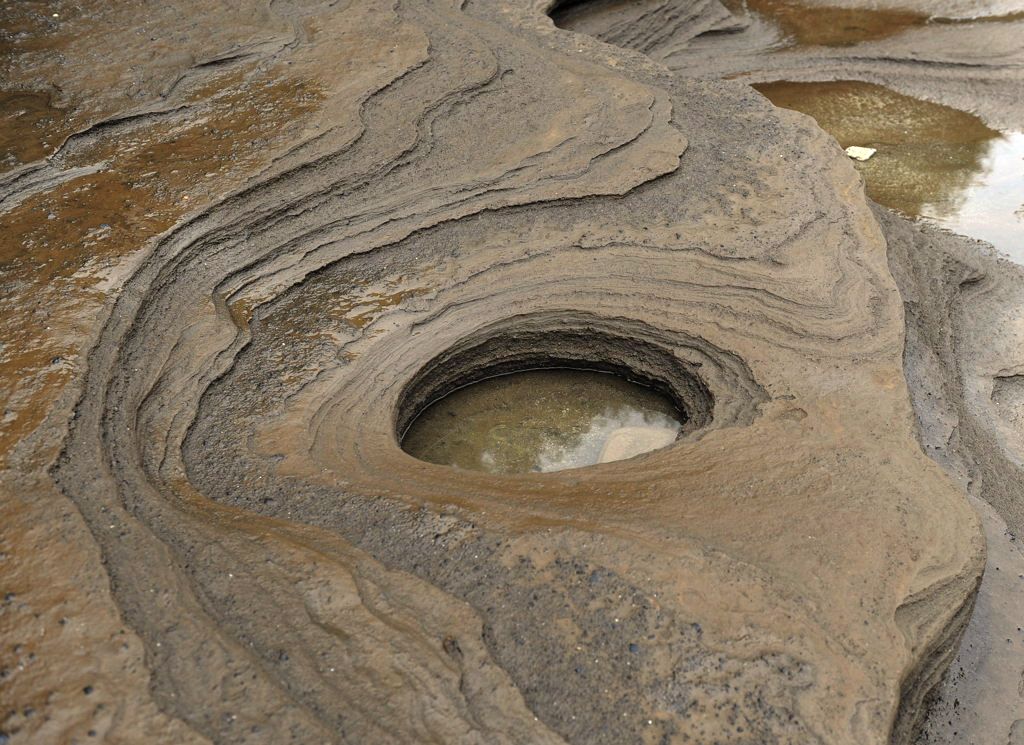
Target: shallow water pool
<point>543,420</point>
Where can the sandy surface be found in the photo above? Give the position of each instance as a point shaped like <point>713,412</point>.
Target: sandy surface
<point>245,251</point>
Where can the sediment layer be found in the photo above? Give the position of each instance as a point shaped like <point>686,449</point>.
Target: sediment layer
<point>472,189</point>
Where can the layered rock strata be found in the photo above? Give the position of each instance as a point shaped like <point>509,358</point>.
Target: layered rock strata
<point>465,189</point>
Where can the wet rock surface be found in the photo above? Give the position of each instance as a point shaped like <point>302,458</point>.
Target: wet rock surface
<point>208,510</point>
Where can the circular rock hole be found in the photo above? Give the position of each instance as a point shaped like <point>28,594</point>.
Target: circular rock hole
<point>545,400</point>
<point>543,420</point>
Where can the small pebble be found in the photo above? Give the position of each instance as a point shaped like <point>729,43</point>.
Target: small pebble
<point>860,153</point>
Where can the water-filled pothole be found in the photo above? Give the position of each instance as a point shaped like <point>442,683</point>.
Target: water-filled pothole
<point>543,420</point>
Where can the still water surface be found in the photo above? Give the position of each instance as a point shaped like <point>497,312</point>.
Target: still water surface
<point>933,162</point>
<point>543,420</point>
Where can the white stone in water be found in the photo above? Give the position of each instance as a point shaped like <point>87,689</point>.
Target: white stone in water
<point>626,442</point>
<point>860,153</point>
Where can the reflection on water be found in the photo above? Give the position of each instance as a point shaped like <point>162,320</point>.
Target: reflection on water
<point>828,26</point>
<point>991,207</point>
<point>825,26</point>
<point>933,161</point>
<point>543,420</point>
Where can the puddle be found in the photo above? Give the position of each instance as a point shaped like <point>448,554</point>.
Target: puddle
<point>541,421</point>
<point>827,26</point>
<point>577,15</point>
<point>933,162</point>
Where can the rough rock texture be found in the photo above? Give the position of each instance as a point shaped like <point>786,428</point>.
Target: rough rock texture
<point>963,310</point>
<point>213,534</point>
<point>962,351</point>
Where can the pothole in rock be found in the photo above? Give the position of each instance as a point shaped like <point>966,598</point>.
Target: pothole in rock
<point>932,161</point>
<point>543,420</point>
<point>577,15</point>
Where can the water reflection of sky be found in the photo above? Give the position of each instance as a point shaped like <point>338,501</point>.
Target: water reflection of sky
<point>543,420</point>
<point>933,162</point>
<point>588,447</point>
<point>990,207</point>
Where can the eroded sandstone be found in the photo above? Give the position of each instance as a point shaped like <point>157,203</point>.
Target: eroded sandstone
<point>467,189</point>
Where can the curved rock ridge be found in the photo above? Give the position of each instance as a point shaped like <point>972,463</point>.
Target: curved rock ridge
<point>963,313</point>
<point>474,190</point>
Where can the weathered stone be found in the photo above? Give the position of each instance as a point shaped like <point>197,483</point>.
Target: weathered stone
<point>412,196</point>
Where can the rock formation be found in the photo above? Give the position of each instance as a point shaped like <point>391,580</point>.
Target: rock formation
<point>280,230</point>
